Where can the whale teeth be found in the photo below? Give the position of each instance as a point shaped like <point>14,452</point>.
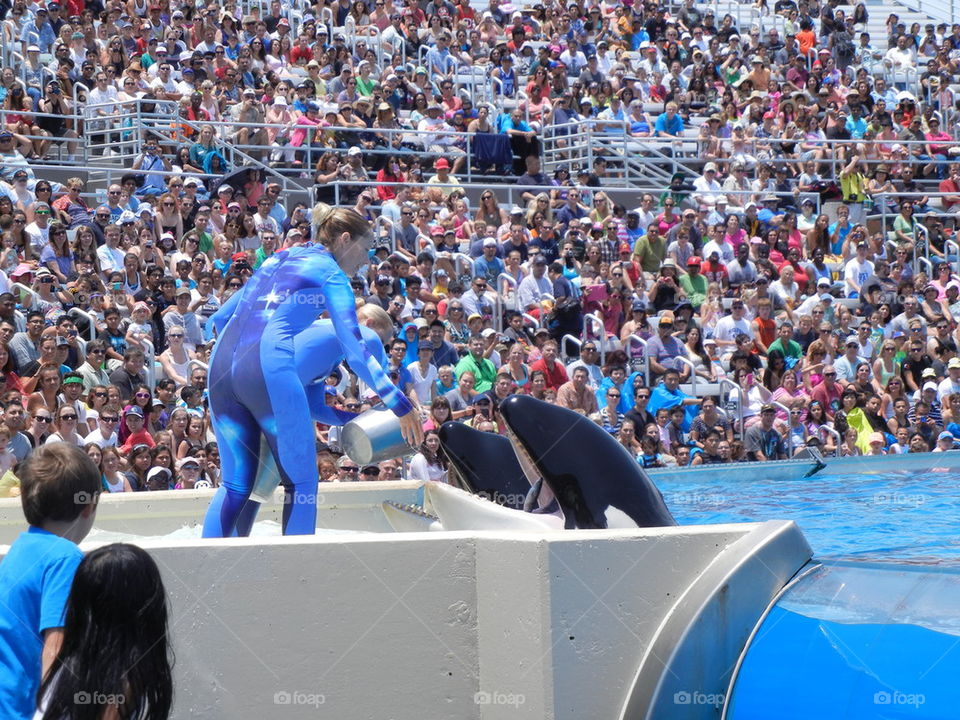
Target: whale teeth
<point>413,509</point>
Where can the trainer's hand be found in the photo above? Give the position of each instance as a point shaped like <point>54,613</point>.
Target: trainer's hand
<point>412,429</point>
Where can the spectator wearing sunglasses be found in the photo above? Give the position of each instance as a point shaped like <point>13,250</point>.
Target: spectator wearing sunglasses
<point>370,473</point>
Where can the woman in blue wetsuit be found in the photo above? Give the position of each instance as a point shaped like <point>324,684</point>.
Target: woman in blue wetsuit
<point>254,383</point>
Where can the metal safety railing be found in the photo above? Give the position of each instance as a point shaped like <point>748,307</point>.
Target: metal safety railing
<point>319,140</point>
<point>590,324</point>
<point>733,389</point>
<point>150,362</point>
<point>90,318</point>
<point>786,410</point>
<point>628,344</point>
<point>502,299</point>
<point>21,288</point>
<point>564,341</point>
<point>837,439</point>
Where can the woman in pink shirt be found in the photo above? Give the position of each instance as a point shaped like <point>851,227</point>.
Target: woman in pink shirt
<point>302,125</point>
<point>938,146</point>
<point>667,219</point>
<point>734,234</point>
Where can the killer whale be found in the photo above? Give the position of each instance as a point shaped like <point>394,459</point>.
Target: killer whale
<point>594,478</point>
<point>485,464</point>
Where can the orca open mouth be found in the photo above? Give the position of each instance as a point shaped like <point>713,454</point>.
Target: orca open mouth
<point>597,483</point>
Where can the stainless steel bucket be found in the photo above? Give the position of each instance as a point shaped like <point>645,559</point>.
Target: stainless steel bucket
<point>373,437</point>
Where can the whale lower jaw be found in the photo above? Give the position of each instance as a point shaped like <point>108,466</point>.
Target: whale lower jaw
<point>409,518</point>
<point>618,520</point>
<point>460,510</point>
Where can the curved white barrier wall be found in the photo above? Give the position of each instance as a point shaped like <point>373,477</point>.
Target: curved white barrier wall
<point>425,625</point>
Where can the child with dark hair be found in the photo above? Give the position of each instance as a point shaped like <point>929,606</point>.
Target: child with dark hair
<point>59,489</point>
<point>115,652</point>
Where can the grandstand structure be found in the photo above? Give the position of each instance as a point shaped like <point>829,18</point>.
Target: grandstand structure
<point>695,105</point>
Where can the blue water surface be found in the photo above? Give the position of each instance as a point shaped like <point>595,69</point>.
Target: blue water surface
<point>898,516</point>
<point>858,641</point>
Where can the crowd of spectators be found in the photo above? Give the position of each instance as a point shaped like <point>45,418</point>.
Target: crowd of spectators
<point>807,253</point>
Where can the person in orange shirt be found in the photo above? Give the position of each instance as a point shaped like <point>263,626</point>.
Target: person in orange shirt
<point>806,38</point>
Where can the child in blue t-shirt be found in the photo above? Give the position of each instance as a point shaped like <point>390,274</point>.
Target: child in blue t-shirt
<point>59,487</point>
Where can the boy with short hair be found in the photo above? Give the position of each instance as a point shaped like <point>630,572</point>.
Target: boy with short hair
<point>59,487</point>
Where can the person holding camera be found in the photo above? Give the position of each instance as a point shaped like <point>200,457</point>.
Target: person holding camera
<point>55,109</point>
<point>151,163</point>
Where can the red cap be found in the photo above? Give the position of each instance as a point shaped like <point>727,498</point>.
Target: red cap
<point>693,260</point>
<point>239,256</point>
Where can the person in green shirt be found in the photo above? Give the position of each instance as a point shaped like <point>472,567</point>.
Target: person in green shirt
<point>650,250</point>
<point>474,362</point>
<point>785,342</point>
<point>268,244</point>
<point>678,191</point>
<point>905,225</point>
<point>694,284</point>
<point>202,225</point>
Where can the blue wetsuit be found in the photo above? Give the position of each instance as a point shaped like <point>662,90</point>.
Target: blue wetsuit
<point>255,386</point>
<point>317,354</point>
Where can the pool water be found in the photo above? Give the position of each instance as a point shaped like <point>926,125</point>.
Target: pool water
<point>898,516</point>
<point>860,641</point>
<point>855,671</point>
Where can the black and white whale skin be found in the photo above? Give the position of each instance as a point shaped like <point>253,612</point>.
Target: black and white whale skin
<point>485,463</point>
<point>594,478</point>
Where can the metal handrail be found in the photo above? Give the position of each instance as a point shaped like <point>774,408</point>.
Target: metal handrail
<point>634,339</point>
<point>590,322</point>
<point>532,320</point>
<point>283,179</point>
<point>381,221</point>
<point>953,246</point>
<point>786,410</point>
<point>499,304</point>
<point>563,345</point>
<point>150,364</point>
<point>728,383</point>
<point>30,291</point>
<point>461,258</point>
<point>91,319</point>
<point>834,434</point>
<point>693,373</point>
